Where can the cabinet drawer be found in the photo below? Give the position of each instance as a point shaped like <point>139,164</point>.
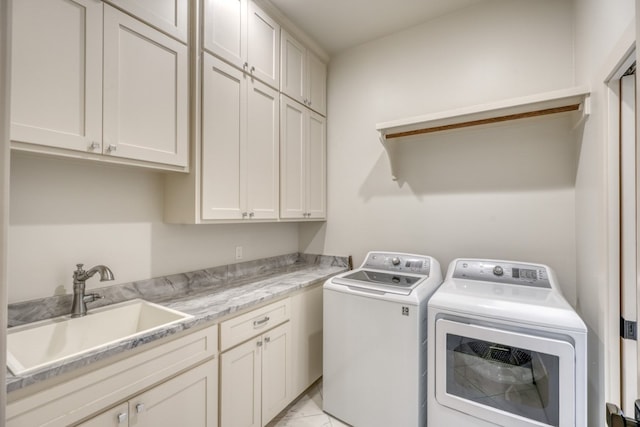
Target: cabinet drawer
<point>253,323</point>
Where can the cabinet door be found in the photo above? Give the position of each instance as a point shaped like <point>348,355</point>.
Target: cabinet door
<point>145,92</point>
<point>292,68</point>
<point>223,129</point>
<point>225,28</point>
<point>240,385</point>
<point>169,16</point>
<point>292,159</point>
<point>316,190</point>
<point>276,371</point>
<point>190,399</point>
<point>56,67</point>
<point>306,326</point>
<point>263,46</point>
<point>261,154</point>
<point>114,417</point>
<point>317,84</point>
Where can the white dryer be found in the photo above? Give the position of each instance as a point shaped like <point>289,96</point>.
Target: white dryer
<point>375,340</point>
<point>505,348</point>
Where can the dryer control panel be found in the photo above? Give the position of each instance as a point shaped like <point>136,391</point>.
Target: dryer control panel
<point>503,272</point>
<point>399,262</point>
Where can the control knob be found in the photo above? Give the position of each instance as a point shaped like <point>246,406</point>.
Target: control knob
<point>395,260</point>
<point>498,271</point>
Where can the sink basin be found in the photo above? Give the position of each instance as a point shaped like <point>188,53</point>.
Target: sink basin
<point>33,346</point>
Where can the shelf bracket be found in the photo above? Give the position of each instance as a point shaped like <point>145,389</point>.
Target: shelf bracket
<point>390,148</point>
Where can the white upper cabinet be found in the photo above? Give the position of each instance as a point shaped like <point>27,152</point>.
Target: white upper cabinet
<point>242,34</point>
<point>56,68</point>
<point>303,75</point>
<point>88,78</point>
<point>169,16</point>
<point>223,129</point>
<point>303,162</point>
<point>145,92</point>
<point>240,145</point>
<point>316,83</point>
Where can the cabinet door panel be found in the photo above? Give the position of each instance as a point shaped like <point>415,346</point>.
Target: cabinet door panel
<point>262,151</point>
<point>306,326</point>
<point>263,49</point>
<point>56,80</point>
<point>317,82</point>
<point>223,124</point>
<point>240,386</point>
<point>189,399</point>
<point>293,68</point>
<point>316,167</point>
<point>276,371</point>
<point>145,92</point>
<point>292,159</point>
<point>170,16</point>
<point>225,29</point>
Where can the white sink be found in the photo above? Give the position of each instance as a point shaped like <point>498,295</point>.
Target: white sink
<point>33,346</point>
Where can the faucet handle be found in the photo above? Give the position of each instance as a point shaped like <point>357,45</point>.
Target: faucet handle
<point>79,266</point>
<point>92,297</point>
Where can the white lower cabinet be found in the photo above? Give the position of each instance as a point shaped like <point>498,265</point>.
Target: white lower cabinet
<point>256,375</point>
<point>173,383</point>
<point>306,328</point>
<point>255,379</point>
<point>189,399</point>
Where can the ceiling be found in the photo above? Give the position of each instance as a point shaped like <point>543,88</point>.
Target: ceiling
<point>340,24</point>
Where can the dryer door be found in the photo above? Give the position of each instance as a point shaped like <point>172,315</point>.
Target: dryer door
<point>508,378</point>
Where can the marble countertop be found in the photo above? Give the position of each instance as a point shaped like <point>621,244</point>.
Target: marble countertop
<point>208,295</point>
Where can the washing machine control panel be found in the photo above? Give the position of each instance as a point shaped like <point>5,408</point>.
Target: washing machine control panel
<point>390,261</point>
<point>503,272</point>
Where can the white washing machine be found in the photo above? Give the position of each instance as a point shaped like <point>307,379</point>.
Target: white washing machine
<point>505,348</point>
<point>375,340</point>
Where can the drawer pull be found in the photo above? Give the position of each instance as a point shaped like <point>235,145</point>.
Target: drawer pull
<point>258,323</point>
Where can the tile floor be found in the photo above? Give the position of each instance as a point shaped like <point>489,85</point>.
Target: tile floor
<point>306,411</point>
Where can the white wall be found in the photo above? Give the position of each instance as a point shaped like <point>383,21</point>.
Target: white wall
<point>505,191</point>
<point>65,212</point>
<point>600,36</point>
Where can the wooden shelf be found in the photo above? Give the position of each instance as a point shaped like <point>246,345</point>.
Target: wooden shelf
<point>561,101</point>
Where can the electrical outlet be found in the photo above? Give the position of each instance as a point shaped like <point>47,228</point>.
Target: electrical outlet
<point>238,252</point>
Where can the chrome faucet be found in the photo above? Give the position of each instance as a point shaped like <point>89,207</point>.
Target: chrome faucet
<point>80,300</point>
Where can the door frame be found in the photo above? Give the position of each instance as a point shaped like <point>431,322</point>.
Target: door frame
<point>5,46</point>
<point>620,60</point>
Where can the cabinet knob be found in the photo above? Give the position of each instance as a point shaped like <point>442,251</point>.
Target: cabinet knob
<point>267,339</point>
<point>121,417</point>
<point>244,214</point>
<point>252,69</point>
<point>245,65</point>
<point>259,343</point>
<point>139,408</point>
<point>94,145</point>
<point>251,214</point>
<point>111,148</point>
